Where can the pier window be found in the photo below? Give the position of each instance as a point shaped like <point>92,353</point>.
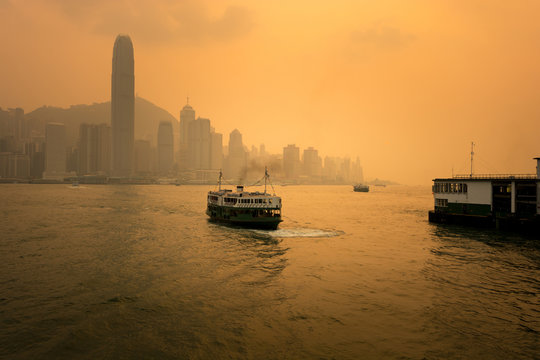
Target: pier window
<point>441,202</point>
<point>452,188</point>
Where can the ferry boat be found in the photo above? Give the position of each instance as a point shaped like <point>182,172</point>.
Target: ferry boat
<point>361,188</point>
<point>259,210</point>
<point>495,200</point>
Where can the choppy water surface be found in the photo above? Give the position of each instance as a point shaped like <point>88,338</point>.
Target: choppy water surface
<point>138,272</point>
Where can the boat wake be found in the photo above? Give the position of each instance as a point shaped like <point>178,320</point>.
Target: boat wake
<point>299,233</point>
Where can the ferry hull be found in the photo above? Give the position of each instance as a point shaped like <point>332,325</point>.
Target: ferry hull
<point>242,218</point>
<point>271,224</point>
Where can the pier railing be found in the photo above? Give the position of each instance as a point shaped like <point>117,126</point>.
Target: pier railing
<point>496,176</point>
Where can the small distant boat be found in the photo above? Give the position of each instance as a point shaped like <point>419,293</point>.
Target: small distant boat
<point>361,188</point>
<point>75,183</point>
<point>258,210</point>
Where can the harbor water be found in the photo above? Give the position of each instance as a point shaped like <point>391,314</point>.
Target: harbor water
<point>138,272</point>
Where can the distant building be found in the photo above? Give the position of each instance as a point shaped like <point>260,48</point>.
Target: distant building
<point>216,152</point>
<point>291,161</point>
<point>357,172</point>
<point>19,166</point>
<point>122,107</point>
<point>55,151</point>
<point>94,149</point>
<point>36,152</point>
<point>199,143</point>
<point>345,173</point>
<point>187,115</point>
<point>329,172</point>
<point>237,158</point>
<point>312,163</point>
<point>143,157</point>
<point>165,147</point>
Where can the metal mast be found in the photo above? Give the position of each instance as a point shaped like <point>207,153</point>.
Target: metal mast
<point>472,157</point>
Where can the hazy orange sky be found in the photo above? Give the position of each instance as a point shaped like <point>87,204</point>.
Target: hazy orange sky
<point>404,85</point>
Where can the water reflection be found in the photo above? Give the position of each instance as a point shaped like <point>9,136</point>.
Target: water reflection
<point>267,254</point>
<point>482,282</point>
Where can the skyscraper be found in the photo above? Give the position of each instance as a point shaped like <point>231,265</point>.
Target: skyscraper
<point>165,147</point>
<point>291,161</point>
<point>122,106</point>
<point>187,115</point>
<point>312,163</point>
<point>55,151</point>
<point>199,144</point>
<point>216,157</point>
<point>94,149</point>
<point>237,159</point>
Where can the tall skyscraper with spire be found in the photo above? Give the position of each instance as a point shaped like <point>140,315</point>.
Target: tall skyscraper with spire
<point>187,116</point>
<point>122,107</point>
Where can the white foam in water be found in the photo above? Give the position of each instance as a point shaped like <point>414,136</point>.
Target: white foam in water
<point>292,233</point>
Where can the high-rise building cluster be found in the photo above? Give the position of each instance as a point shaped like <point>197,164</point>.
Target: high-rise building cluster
<point>39,149</point>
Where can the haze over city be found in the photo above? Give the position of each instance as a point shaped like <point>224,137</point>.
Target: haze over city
<point>404,86</point>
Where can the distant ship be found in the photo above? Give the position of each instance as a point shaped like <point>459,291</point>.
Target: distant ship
<point>258,210</point>
<point>361,188</point>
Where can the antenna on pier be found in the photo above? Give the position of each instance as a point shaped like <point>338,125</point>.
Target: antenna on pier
<point>472,157</point>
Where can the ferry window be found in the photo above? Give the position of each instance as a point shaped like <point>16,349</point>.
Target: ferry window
<point>460,188</point>
<point>464,188</point>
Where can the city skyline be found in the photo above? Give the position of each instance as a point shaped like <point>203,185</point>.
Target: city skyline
<point>419,79</point>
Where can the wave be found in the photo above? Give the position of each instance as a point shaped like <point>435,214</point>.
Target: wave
<point>300,232</point>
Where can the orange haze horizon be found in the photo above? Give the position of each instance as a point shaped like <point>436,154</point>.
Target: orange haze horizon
<point>405,86</point>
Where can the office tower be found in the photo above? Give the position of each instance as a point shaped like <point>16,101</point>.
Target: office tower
<point>36,151</point>
<point>345,173</point>
<point>165,148</point>
<point>19,166</point>
<point>199,143</point>
<point>291,161</point>
<point>122,107</point>
<point>216,152</point>
<point>55,151</point>
<point>237,159</point>
<point>330,169</point>
<point>357,173</point>
<point>187,115</point>
<point>143,157</point>
<point>312,163</point>
<point>94,149</point>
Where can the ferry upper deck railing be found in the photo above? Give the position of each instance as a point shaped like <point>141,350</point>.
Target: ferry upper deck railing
<point>495,176</point>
